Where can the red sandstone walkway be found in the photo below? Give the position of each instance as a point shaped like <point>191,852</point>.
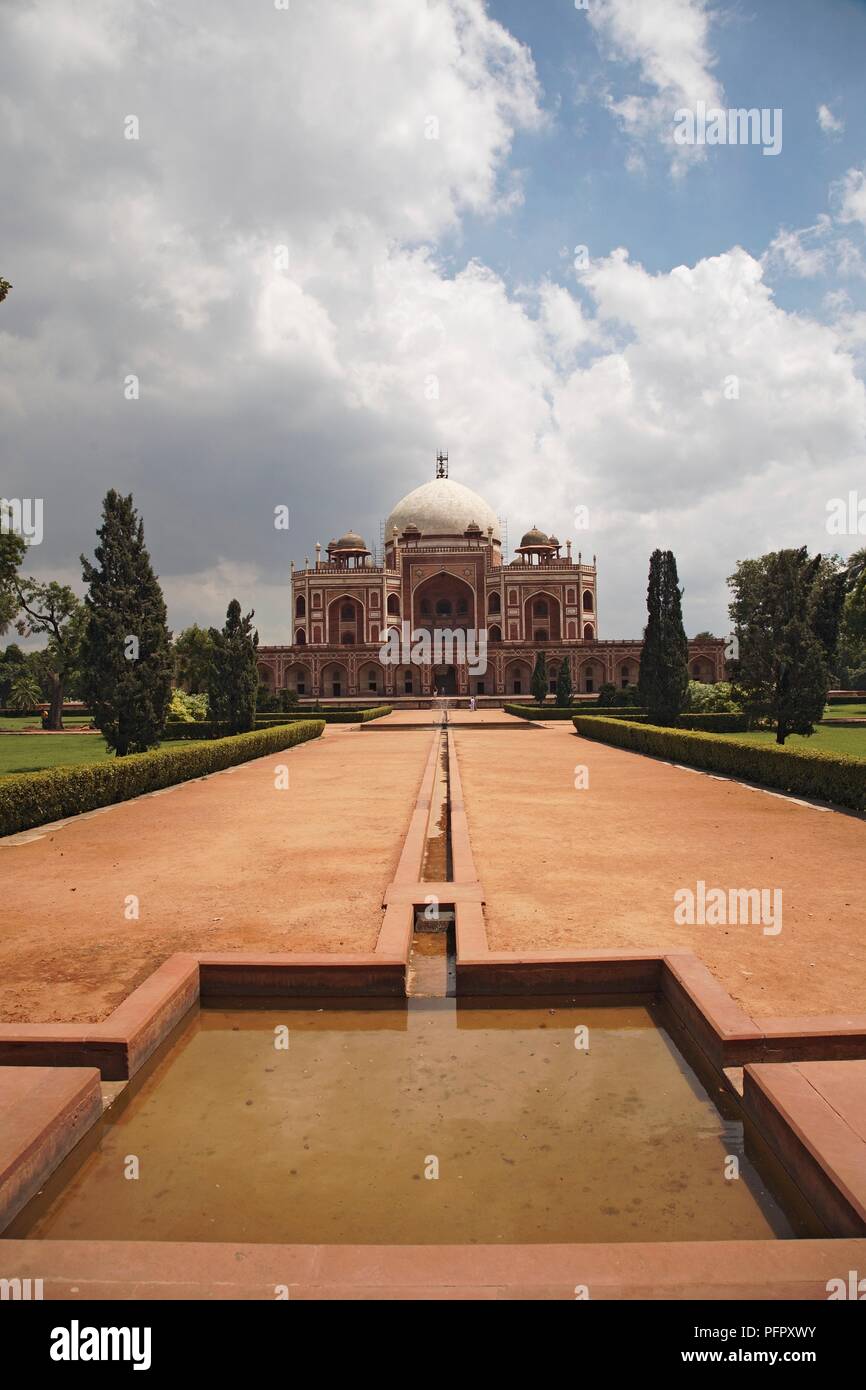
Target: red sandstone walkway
<point>225,863</point>
<point>598,868</point>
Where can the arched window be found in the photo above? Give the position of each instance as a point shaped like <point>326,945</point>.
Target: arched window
<point>587,600</point>
<point>462,606</point>
<point>425,607</point>
<point>300,606</point>
<point>347,613</point>
<point>301,638</point>
<point>541,635</point>
<point>347,639</point>
<point>393,604</point>
<point>588,631</point>
<point>495,604</point>
<point>540,608</point>
<point>443,607</point>
<point>494,634</point>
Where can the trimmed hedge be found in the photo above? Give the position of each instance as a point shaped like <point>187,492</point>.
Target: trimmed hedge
<point>32,798</point>
<point>38,713</point>
<point>540,711</point>
<point>826,776</point>
<point>207,728</point>
<point>196,728</point>
<point>342,716</point>
<point>722,723</point>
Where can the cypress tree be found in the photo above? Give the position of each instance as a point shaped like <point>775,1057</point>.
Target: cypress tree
<point>563,684</point>
<point>233,682</point>
<point>538,685</point>
<point>126,661</point>
<point>664,672</point>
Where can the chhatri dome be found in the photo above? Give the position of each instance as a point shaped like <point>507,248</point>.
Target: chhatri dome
<point>442,508</point>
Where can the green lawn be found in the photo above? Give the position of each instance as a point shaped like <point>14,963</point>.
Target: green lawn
<point>31,753</point>
<point>845,711</point>
<point>824,740</point>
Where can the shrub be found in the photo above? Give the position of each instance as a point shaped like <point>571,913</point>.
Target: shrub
<point>187,707</point>
<point>32,798</point>
<point>825,776</point>
<point>710,699</point>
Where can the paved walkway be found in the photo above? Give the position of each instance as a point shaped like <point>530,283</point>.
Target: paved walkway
<point>230,863</point>
<point>597,868</point>
<point>225,863</point>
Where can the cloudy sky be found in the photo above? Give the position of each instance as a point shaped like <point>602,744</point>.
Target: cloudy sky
<point>350,232</point>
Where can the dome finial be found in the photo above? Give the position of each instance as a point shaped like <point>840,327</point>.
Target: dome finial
<point>441,465</point>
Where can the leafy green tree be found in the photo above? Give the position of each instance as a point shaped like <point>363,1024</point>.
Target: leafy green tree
<point>12,661</point>
<point>12,549</point>
<point>664,675</point>
<point>786,609</point>
<point>5,287</point>
<point>193,650</point>
<point>126,657</point>
<point>853,628</point>
<point>564,689</point>
<point>54,611</point>
<point>538,684</point>
<point>267,700</point>
<point>233,676</point>
<point>25,691</point>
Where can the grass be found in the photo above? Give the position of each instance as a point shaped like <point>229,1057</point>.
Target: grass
<point>824,740</point>
<point>32,754</point>
<point>845,711</point>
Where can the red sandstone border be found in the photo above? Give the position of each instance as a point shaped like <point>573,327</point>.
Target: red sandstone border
<point>713,1270</point>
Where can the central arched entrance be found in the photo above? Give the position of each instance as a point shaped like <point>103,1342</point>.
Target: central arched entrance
<point>444,601</point>
<point>445,680</point>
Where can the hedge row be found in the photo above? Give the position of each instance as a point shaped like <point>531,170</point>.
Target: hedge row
<point>343,716</point>
<point>32,798</point>
<point>826,776</point>
<point>195,728</point>
<point>540,711</point>
<point>721,723</point>
<point>38,713</point>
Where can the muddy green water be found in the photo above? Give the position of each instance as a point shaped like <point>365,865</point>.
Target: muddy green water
<point>331,1139</point>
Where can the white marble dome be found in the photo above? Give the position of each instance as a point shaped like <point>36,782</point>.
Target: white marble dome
<point>442,507</point>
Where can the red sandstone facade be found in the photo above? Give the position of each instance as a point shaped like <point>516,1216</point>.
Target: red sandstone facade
<point>443,569</point>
